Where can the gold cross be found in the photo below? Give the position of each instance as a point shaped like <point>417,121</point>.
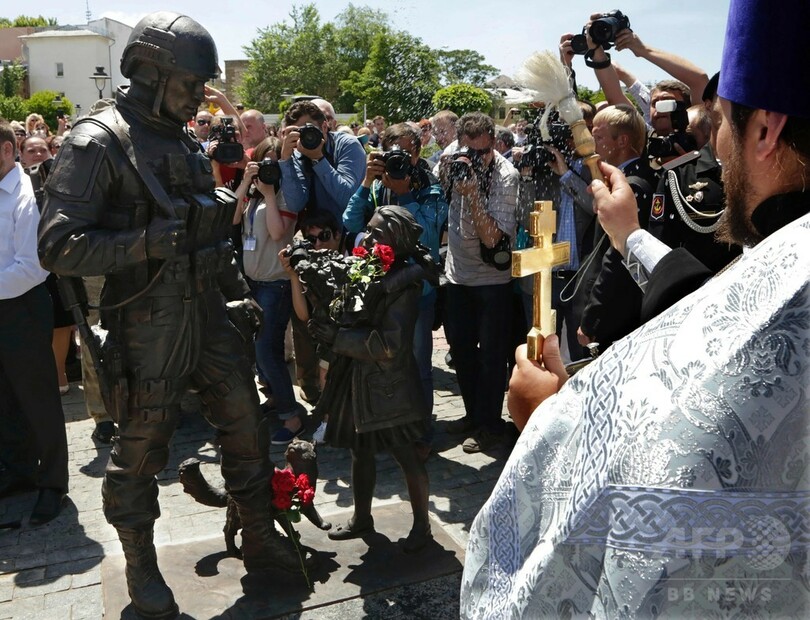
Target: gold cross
<point>539,260</point>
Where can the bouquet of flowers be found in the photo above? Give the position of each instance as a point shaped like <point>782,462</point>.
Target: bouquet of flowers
<point>353,304</point>
<point>289,494</point>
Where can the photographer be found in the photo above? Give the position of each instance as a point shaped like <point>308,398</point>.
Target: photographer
<point>398,176</point>
<point>479,291</point>
<point>267,228</point>
<point>613,29</point>
<point>321,169</point>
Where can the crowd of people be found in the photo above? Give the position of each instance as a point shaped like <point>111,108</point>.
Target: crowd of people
<point>672,213</point>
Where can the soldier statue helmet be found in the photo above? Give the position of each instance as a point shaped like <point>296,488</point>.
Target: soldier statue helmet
<point>161,45</point>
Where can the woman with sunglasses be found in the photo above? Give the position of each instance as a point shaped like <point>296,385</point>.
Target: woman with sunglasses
<point>267,227</point>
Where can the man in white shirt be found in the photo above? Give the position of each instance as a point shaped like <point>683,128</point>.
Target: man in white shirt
<point>26,324</point>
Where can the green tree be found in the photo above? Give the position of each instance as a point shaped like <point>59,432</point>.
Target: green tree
<point>24,21</point>
<point>43,103</point>
<point>13,108</point>
<point>294,57</point>
<point>462,98</point>
<point>11,79</point>
<point>305,55</point>
<point>464,67</point>
<point>356,29</point>
<point>399,79</point>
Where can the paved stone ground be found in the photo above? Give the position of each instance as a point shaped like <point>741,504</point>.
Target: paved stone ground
<point>54,571</point>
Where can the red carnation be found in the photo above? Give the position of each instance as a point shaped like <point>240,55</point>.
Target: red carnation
<point>283,482</point>
<point>307,496</point>
<point>302,482</point>
<point>386,255</point>
<point>360,251</point>
<point>282,502</point>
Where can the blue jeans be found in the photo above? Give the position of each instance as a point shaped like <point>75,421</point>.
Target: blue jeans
<point>423,352</point>
<point>275,298</point>
<point>480,319</point>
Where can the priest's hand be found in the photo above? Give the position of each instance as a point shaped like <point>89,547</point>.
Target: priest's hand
<point>533,382</point>
<point>615,205</point>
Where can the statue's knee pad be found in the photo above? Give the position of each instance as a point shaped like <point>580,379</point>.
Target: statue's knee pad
<point>153,462</point>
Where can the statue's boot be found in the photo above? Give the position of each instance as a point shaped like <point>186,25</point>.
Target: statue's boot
<point>263,547</point>
<point>150,595</point>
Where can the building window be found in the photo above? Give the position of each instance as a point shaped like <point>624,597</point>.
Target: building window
<point>60,69</point>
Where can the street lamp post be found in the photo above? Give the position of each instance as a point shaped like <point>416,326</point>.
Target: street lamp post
<point>100,77</point>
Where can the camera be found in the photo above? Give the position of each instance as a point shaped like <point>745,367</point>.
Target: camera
<point>311,136</point>
<point>461,170</point>
<point>603,32</point>
<point>227,149</point>
<point>535,154</point>
<point>269,172</point>
<point>397,162</point>
<point>299,251</point>
<point>665,147</point>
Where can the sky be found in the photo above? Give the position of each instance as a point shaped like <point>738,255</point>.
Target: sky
<point>505,32</point>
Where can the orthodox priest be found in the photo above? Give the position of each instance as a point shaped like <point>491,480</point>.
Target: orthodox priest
<point>671,478</point>
<point>131,196</point>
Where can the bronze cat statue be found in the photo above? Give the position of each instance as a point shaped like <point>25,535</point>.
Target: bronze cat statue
<point>301,459</point>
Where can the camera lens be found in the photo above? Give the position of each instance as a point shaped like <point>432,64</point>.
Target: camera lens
<point>269,172</point>
<point>311,136</point>
<point>579,44</point>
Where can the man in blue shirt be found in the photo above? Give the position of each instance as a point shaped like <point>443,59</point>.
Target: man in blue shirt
<point>320,171</point>
<point>325,175</point>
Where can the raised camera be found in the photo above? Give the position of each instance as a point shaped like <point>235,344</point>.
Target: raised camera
<point>311,136</point>
<point>227,149</point>
<point>679,119</point>
<point>397,162</point>
<point>269,172</point>
<point>461,170</point>
<point>603,32</point>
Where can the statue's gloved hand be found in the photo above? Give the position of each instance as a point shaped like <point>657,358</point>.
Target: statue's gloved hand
<point>165,238</point>
<point>246,316</point>
<point>323,332</point>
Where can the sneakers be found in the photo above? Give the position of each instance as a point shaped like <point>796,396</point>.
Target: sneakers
<point>482,441</point>
<point>460,426</point>
<point>283,436</point>
<point>320,433</point>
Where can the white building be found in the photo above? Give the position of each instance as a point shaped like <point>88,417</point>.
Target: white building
<point>64,59</point>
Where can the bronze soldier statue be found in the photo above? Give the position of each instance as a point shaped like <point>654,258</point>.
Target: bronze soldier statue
<point>132,196</point>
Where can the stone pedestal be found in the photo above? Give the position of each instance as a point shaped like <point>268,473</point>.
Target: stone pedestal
<point>209,584</point>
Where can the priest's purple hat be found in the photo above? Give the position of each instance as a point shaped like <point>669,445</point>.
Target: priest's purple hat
<point>766,56</point>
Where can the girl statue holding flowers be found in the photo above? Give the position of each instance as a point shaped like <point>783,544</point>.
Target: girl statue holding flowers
<point>373,388</point>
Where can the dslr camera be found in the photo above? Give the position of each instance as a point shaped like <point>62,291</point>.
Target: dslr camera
<point>461,170</point>
<point>227,149</point>
<point>298,251</point>
<point>603,32</point>
<point>269,172</point>
<point>535,154</point>
<point>397,162</point>
<point>665,147</point>
<point>311,136</point>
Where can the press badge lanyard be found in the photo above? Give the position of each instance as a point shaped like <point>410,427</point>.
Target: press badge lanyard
<point>250,241</point>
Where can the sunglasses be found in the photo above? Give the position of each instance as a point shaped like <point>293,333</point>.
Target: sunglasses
<point>480,152</point>
<point>202,121</point>
<point>324,235</point>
